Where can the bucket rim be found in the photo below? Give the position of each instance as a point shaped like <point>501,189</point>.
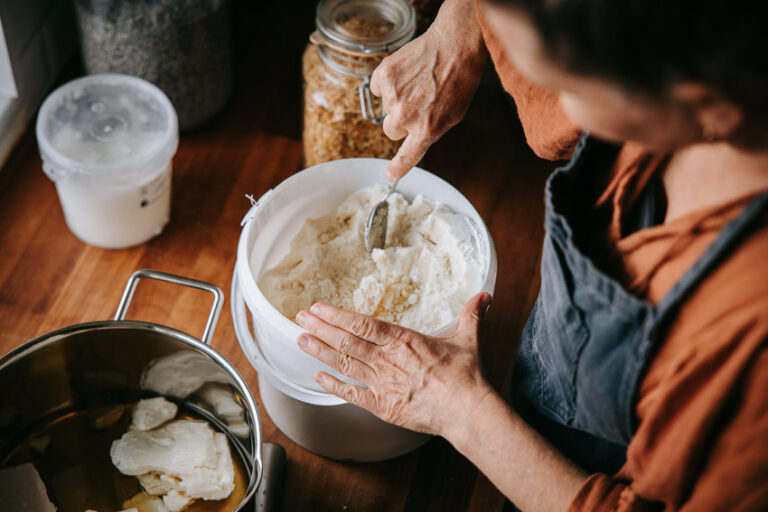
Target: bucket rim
<point>251,290</point>
<point>250,346</point>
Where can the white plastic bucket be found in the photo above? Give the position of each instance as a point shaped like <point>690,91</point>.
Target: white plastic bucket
<point>277,216</point>
<point>299,407</point>
<point>107,142</point>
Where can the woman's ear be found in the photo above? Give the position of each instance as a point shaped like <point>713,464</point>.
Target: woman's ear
<point>717,116</point>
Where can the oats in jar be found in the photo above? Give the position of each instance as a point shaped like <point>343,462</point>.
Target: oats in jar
<point>341,117</point>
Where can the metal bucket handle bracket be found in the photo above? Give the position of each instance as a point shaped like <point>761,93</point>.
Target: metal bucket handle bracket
<point>213,316</point>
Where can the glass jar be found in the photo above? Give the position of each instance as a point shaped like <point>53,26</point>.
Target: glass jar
<point>342,119</point>
<point>181,46</point>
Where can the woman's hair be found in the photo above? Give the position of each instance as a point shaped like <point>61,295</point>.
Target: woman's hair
<point>647,45</point>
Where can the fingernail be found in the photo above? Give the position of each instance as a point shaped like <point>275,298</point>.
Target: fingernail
<point>320,378</point>
<point>316,308</point>
<point>486,304</point>
<point>303,341</point>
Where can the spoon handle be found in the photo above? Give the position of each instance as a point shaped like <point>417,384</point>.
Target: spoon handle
<point>391,189</point>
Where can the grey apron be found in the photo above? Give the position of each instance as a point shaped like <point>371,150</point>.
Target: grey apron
<point>588,341</point>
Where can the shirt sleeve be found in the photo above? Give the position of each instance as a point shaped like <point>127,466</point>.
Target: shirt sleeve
<point>601,493</point>
<point>548,131</point>
<point>730,472</point>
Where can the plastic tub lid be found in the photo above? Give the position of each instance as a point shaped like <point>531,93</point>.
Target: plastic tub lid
<point>112,126</point>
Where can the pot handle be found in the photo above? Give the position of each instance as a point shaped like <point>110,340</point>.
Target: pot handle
<point>213,316</point>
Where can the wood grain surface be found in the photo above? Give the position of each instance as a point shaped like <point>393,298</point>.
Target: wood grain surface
<point>49,279</point>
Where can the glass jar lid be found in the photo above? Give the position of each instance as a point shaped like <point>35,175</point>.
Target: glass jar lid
<point>364,27</point>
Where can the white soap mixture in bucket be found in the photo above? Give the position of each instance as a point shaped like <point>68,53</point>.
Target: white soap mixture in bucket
<point>430,266</point>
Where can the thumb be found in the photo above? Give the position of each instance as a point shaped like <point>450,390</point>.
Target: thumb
<point>471,314</point>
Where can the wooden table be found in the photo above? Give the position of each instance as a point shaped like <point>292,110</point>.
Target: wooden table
<point>49,279</point>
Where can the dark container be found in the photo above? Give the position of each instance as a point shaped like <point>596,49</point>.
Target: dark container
<point>182,46</point>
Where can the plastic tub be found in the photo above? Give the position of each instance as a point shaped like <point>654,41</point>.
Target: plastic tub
<point>273,221</point>
<point>107,142</point>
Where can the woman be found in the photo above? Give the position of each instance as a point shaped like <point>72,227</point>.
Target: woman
<point>640,381</point>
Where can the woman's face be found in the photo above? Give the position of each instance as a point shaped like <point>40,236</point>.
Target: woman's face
<point>603,108</point>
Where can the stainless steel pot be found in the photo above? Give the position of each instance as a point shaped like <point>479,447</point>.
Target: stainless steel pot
<point>91,370</point>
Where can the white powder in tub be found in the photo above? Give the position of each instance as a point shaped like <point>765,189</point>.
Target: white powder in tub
<point>430,266</point>
<point>21,488</point>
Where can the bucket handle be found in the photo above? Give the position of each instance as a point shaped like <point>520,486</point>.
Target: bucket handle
<point>213,316</point>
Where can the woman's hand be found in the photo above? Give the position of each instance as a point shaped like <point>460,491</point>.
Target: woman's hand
<point>435,385</point>
<point>414,381</point>
<point>426,86</point>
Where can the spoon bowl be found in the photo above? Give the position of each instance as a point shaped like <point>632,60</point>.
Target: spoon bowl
<point>376,228</point>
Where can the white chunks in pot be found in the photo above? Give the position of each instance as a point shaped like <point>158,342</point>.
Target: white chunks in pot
<point>175,460</point>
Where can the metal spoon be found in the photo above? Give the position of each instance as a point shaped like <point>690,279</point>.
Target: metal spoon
<point>376,228</point>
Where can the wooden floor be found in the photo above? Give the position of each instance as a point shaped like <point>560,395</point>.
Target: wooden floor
<point>49,279</point>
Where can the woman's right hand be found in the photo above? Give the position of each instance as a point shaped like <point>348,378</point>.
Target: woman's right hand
<point>426,86</point>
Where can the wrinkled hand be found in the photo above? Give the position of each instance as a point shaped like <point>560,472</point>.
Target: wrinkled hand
<point>426,86</point>
<point>414,381</point>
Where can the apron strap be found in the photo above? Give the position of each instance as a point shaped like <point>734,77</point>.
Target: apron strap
<point>727,240</point>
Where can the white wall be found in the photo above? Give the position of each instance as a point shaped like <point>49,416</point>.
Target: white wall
<point>38,37</point>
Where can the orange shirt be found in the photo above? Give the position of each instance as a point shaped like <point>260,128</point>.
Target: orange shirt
<point>702,405</point>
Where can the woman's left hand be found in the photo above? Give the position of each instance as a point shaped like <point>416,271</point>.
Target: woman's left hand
<point>415,381</point>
